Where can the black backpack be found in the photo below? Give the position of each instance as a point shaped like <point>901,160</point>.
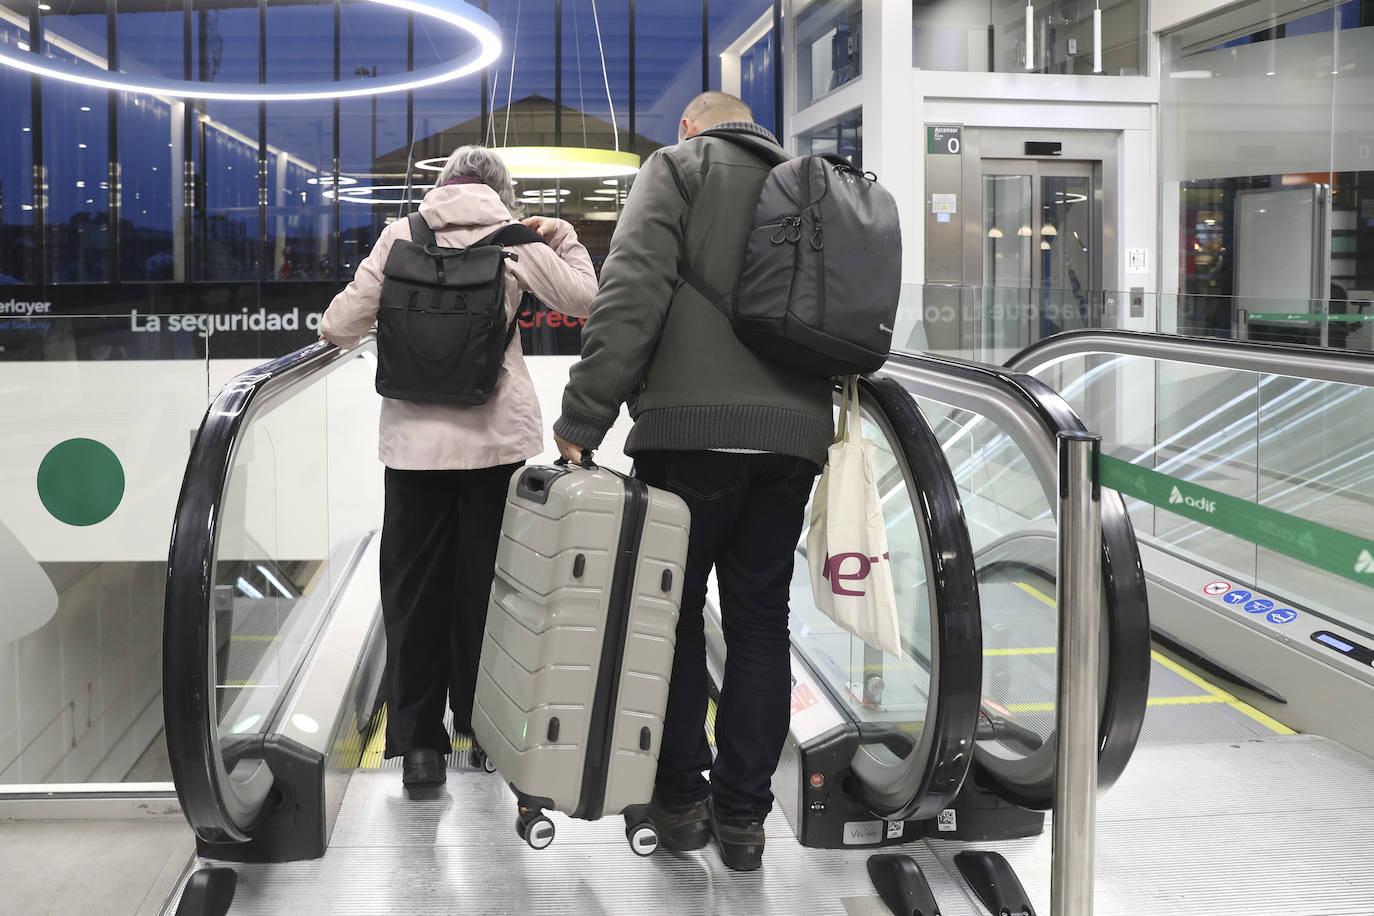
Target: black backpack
<point>441,329</point>
<point>822,269</point>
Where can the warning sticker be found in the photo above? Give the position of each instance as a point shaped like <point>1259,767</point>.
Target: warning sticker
<point>802,697</point>
<point>947,821</point>
<point>1216,588</point>
<point>895,829</point>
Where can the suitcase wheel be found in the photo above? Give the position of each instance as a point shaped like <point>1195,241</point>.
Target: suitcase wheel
<point>534,828</point>
<point>643,838</point>
<point>481,760</point>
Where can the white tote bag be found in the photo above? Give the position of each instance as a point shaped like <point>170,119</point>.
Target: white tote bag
<point>846,547</point>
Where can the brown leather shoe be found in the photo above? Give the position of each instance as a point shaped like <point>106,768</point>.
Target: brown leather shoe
<point>682,829</point>
<point>740,842</point>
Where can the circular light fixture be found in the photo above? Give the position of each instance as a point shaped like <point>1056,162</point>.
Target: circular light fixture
<point>994,233</point>
<point>1024,232</point>
<point>566,162</point>
<point>1047,229</point>
<point>364,195</point>
<point>1044,244</point>
<point>611,181</point>
<point>329,180</point>
<point>455,12</point>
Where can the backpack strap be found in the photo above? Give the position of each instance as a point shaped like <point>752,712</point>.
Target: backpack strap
<point>772,154</point>
<point>420,233</point>
<point>696,281</point>
<point>510,234</point>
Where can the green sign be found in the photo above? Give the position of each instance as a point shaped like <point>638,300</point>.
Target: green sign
<point>1335,551</point>
<point>1303,316</point>
<point>944,140</point>
<point>81,482</point>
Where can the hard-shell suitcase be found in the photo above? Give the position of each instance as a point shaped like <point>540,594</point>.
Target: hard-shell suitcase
<point>573,680</point>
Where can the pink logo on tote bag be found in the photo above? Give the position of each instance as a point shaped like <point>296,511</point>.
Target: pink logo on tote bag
<point>834,572</point>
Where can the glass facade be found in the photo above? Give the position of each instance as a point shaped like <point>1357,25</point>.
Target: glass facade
<point>842,136</point>
<point>829,41</point>
<point>1266,168</point>
<point>167,205</point>
<point>955,35</point>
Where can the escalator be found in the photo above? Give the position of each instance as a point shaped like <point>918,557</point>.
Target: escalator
<point>884,730</point>
<point>1246,471</point>
<point>273,647</point>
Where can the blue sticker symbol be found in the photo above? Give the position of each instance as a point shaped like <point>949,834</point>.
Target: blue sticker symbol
<point>1239,596</point>
<point>1282,615</point>
<point>1259,606</point>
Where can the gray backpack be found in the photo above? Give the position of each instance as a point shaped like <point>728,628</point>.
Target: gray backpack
<point>822,269</point>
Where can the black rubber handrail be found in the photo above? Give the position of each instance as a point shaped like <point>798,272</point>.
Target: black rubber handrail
<point>1343,366</point>
<point>218,808</point>
<point>928,781</point>
<point>1125,691</point>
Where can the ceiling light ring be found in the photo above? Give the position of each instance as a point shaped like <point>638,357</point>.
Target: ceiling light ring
<point>455,12</point>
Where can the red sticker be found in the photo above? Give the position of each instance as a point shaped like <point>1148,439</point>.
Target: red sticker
<point>802,697</point>
<point>1216,589</point>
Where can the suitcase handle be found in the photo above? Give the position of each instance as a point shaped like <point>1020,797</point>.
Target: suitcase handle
<point>587,464</point>
<point>535,483</point>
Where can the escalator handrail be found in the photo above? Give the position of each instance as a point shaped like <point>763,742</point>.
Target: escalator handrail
<point>1126,690</point>
<point>1348,367</point>
<point>212,802</point>
<point>926,784</point>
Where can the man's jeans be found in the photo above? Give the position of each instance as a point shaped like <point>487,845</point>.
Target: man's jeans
<point>747,515</point>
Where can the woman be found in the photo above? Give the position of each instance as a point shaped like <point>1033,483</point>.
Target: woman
<point>448,467</point>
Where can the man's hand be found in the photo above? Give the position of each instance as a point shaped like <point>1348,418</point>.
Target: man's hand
<point>546,226</point>
<point>569,450</point>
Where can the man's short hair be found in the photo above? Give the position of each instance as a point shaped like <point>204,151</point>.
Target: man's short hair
<point>712,108</point>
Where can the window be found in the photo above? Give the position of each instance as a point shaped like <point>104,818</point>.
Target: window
<point>955,35</point>
<point>843,136</point>
<point>829,48</point>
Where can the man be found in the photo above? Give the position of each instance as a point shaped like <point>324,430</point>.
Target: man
<point>738,437</point>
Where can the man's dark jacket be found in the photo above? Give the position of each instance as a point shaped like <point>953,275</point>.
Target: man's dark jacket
<point>655,342</point>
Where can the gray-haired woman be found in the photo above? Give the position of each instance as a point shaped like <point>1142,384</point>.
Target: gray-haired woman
<point>447,467</point>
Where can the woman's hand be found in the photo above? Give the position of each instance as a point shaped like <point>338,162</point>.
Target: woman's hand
<point>546,226</point>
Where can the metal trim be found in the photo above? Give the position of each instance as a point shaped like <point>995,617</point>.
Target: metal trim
<point>1343,366</point>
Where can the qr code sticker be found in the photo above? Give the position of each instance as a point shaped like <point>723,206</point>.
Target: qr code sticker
<point>947,820</point>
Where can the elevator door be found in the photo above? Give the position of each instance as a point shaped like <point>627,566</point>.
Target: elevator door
<point>1042,240</point>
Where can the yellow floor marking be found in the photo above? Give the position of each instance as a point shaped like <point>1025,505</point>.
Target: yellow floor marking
<point>1153,701</point>
<point>1037,594</point>
<point>1026,650</point>
<point>1218,695</point>
<point>376,744</point>
<point>1222,696</point>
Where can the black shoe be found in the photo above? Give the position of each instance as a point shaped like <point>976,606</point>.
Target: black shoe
<point>740,841</point>
<point>681,829</point>
<point>422,766</point>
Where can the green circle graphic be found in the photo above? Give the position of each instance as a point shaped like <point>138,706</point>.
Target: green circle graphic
<point>81,482</point>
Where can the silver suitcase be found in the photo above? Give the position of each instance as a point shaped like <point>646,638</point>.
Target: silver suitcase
<point>578,649</point>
